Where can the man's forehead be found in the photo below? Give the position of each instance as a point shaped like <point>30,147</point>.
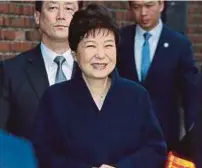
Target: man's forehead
<point>143,1</point>
<point>66,2</point>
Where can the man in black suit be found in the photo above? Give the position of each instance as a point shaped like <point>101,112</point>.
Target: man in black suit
<point>162,61</point>
<point>197,145</point>
<point>28,75</point>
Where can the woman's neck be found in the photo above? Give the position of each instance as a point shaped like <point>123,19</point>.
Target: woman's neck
<point>97,87</point>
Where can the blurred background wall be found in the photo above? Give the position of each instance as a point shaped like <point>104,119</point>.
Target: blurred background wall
<point>18,30</point>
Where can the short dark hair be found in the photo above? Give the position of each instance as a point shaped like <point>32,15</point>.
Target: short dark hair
<point>89,19</point>
<point>38,5</point>
<point>130,3</point>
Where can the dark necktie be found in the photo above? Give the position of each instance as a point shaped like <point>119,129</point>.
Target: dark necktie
<point>145,62</point>
<point>60,76</point>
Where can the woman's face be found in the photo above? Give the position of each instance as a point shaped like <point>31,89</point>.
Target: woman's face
<point>96,54</point>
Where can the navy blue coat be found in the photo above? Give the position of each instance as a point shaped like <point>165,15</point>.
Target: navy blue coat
<point>172,73</point>
<point>70,131</point>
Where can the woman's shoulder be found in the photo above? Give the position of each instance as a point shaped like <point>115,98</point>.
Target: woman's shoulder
<point>59,89</point>
<point>130,84</point>
<point>61,85</point>
<point>131,87</point>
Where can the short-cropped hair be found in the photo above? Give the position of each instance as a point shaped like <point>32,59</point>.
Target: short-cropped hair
<point>38,5</point>
<point>85,21</point>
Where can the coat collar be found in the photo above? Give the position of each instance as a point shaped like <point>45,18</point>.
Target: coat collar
<point>77,74</point>
<point>86,99</point>
<point>36,72</point>
<point>160,51</point>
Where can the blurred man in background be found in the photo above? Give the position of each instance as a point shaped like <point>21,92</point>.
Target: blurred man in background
<point>162,61</point>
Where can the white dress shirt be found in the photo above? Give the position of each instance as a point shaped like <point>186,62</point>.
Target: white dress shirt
<point>51,67</point>
<point>139,41</point>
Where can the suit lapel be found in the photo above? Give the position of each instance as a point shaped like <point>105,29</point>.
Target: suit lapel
<point>36,72</point>
<point>160,50</point>
<point>130,52</point>
<point>75,66</point>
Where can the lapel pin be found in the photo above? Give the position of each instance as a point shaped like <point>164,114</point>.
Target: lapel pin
<point>166,45</point>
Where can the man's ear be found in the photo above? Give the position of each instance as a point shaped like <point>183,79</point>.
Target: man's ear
<point>162,4</point>
<point>36,17</point>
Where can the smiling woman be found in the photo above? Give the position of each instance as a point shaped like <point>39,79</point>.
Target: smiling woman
<point>95,46</point>
<point>97,119</point>
<point>96,56</point>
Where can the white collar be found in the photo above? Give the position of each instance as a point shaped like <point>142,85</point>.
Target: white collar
<point>49,55</point>
<point>155,32</point>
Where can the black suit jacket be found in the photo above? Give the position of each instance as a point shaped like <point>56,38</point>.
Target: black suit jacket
<point>24,81</point>
<point>172,73</point>
<point>197,143</point>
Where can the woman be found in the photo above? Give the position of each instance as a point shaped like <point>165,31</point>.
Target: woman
<point>97,119</point>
